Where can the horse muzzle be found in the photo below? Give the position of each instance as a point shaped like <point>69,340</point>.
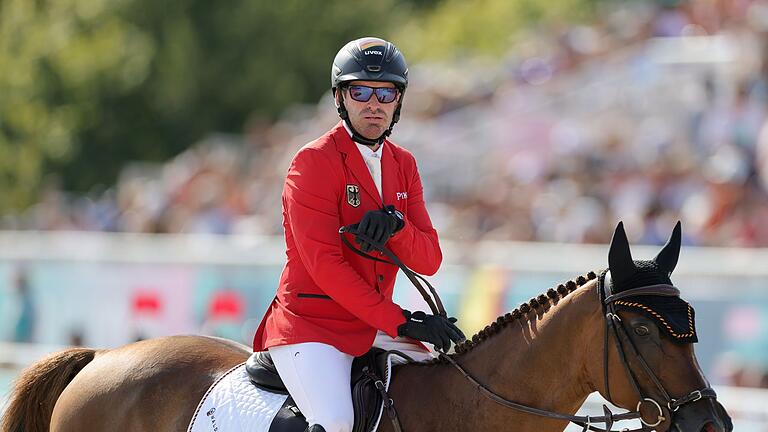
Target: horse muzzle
<point>702,416</point>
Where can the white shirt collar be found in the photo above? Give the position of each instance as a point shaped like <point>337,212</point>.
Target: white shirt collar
<point>367,152</point>
<point>364,149</point>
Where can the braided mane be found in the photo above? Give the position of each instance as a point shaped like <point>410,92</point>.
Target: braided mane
<point>522,311</point>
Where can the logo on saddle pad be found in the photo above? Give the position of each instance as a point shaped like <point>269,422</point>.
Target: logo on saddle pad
<point>210,414</point>
<point>353,195</point>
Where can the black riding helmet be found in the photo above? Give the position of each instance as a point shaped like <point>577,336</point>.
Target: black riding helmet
<point>369,59</point>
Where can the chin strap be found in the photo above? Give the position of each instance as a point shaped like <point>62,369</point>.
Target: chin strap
<point>344,114</point>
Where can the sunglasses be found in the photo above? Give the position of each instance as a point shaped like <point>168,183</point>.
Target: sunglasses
<point>363,93</point>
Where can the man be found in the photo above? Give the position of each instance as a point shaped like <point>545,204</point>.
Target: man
<point>332,304</point>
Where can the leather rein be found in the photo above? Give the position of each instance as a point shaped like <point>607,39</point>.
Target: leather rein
<point>613,325</point>
<point>436,305</point>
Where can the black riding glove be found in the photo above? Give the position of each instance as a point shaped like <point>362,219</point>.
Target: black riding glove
<point>435,329</point>
<point>379,225</point>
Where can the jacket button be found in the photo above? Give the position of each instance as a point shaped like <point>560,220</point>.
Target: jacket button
<point>381,278</point>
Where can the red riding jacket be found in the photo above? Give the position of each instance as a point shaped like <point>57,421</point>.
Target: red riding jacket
<point>327,293</point>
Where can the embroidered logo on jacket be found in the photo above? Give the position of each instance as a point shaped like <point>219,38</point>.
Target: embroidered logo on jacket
<point>353,195</point>
<point>402,195</point>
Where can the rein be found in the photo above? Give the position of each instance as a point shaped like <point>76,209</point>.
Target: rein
<point>436,305</point>
<point>613,324</point>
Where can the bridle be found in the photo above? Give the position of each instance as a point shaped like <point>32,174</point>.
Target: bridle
<point>613,325</point>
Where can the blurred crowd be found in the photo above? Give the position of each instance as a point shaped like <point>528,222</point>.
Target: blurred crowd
<point>652,113</point>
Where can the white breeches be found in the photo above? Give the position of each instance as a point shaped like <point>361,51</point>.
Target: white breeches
<point>318,378</point>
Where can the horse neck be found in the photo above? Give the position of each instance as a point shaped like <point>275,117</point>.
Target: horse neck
<point>539,360</point>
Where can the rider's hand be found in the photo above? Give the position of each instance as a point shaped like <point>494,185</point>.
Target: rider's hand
<point>435,329</point>
<point>379,225</point>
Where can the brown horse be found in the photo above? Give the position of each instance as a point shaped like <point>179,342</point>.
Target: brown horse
<point>548,353</point>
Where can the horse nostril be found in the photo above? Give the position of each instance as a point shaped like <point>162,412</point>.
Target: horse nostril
<point>709,427</point>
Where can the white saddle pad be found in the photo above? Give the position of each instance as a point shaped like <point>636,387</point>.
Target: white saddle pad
<point>233,404</point>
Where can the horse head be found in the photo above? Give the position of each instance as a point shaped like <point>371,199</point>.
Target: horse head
<point>649,361</point>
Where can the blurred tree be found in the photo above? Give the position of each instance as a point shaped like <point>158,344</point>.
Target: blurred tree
<point>56,60</point>
<point>87,85</point>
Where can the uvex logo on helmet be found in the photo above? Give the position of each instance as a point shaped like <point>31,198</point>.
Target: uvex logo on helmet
<point>376,52</point>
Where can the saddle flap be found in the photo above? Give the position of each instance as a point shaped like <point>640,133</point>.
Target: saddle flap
<point>263,373</point>
<point>370,389</point>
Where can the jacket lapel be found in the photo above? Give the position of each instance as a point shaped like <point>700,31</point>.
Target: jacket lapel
<point>390,180</point>
<point>354,161</point>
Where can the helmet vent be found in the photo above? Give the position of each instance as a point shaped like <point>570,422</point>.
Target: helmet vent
<point>373,68</point>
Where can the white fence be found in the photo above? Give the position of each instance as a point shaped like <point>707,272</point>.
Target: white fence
<point>255,250</point>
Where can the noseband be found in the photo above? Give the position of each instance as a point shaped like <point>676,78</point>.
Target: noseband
<point>613,325</point>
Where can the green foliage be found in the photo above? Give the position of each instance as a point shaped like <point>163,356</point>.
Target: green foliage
<point>88,85</point>
<point>54,59</point>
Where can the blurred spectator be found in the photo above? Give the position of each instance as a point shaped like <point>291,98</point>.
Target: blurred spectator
<point>23,330</point>
<point>654,112</point>
<point>76,338</point>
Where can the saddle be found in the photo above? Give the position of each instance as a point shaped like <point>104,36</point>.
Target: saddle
<point>371,375</point>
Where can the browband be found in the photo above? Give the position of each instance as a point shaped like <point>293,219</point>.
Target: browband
<point>609,297</point>
<point>656,290</point>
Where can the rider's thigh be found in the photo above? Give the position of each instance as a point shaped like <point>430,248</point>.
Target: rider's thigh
<point>318,378</point>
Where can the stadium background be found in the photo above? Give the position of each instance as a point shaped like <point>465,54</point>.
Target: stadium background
<point>142,151</point>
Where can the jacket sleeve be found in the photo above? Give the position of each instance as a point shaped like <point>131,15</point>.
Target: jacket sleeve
<point>311,197</point>
<point>416,244</point>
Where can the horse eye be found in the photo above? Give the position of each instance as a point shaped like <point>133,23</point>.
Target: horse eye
<point>642,330</point>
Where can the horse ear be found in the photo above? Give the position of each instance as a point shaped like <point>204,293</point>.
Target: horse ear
<point>619,256</point>
<point>667,258</point>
